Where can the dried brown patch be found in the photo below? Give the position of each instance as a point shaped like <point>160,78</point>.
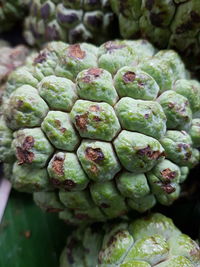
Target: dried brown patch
<point>57,165</point>
<point>58,124</point>
<point>129,77</point>
<point>76,52</point>
<point>94,169</point>
<point>110,46</point>
<point>168,174</point>
<point>168,188</point>
<point>40,58</point>
<point>81,121</point>
<point>147,151</point>
<point>94,154</point>
<point>96,72</point>
<point>55,182</point>
<point>69,184</point>
<point>23,153</point>
<point>94,108</point>
<point>82,216</point>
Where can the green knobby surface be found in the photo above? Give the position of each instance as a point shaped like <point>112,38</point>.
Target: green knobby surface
<point>28,236</point>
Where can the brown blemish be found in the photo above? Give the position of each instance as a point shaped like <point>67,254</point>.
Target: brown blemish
<point>40,58</point>
<point>20,103</point>
<point>76,52</point>
<point>81,121</point>
<point>168,188</point>
<point>171,105</point>
<point>58,124</point>
<point>69,184</point>
<point>23,153</point>
<point>94,154</point>
<point>129,77</point>
<point>55,182</point>
<point>168,174</point>
<point>92,74</point>
<point>27,234</point>
<point>94,169</point>
<point>57,165</point>
<point>52,210</point>
<point>82,216</point>
<point>147,151</point>
<point>110,46</point>
<point>94,108</point>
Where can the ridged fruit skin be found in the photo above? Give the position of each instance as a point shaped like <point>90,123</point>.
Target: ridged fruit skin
<point>69,21</point>
<point>83,134</point>
<point>167,24</point>
<point>11,11</point>
<point>145,242</point>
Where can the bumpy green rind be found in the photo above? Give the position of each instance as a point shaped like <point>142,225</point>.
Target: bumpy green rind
<point>100,129</point>
<point>146,242</point>
<point>76,21</point>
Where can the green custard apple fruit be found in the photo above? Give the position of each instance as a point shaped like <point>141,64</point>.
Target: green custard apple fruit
<point>70,21</point>
<point>98,131</point>
<point>11,12</point>
<point>167,24</point>
<point>146,242</point>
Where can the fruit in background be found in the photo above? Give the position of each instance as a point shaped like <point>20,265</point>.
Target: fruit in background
<point>70,21</point>
<point>108,127</point>
<point>167,24</point>
<point>11,11</point>
<point>146,242</point>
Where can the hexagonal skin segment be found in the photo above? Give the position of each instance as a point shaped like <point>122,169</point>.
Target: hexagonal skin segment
<point>95,120</point>
<point>132,185</point>
<point>142,204</point>
<point>66,172</point>
<point>96,84</point>
<point>32,147</point>
<point>58,92</point>
<point>178,148</point>
<point>107,197</point>
<point>25,108</point>
<point>145,117</point>
<point>177,110</point>
<point>60,131</point>
<point>98,160</point>
<point>28,179</point>
<point>137,152</point>
<point>132,82</point>
<point>164,181</point>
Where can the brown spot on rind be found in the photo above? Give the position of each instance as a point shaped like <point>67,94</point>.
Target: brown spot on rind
<point>92,74</point>
<point>94,108</point>
<point>147,151</point>
<point>52,210</point>
<point>40,58</point>
<point>23,153</point>
<point>58,124</point>
<point>110,46</point>
<point>94,169</point>
<point>168,188</point>
<point>81,121</point>
<point>76,52</point>
<point>129,77</point>
<point>168,174</point>
<point>81,216</point>
<point>94,154</point>
<point>68,184</point>
<point>55,182</point>
<point>57,165</point>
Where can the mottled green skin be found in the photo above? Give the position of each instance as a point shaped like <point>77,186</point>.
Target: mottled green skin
<point>48,201</point>
<point>70,21</point>
<point>97,85</point>
<point>167,24</point>
<point>6,152</point>
<point>138,152</point>
<point>135,83</point>
<point>65,172</point>
<point>11,12</point>
<point>25,110</point>
<point>164,181</point>
<point>178,148</point>
<point>60,131</point>
<point>195,132</point>
<point>95,120</point>
<point>177,110</point>
<point>98,160</point>
<point>99,140</point>
<point>146,242</point>
<point>27,179</point>
<point>140,116</point>
<point>31,147</point>
<point>59,93</point>
<point>191,90</point>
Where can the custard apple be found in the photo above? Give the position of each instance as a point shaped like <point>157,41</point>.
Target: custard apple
<point>98,131</point>
<point>71,21</point>
<point>146,242</point>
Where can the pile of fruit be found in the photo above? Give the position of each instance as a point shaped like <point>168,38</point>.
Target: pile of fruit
<point>105,131</point>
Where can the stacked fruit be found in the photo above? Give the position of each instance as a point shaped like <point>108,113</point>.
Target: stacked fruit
<point>99,133</point>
